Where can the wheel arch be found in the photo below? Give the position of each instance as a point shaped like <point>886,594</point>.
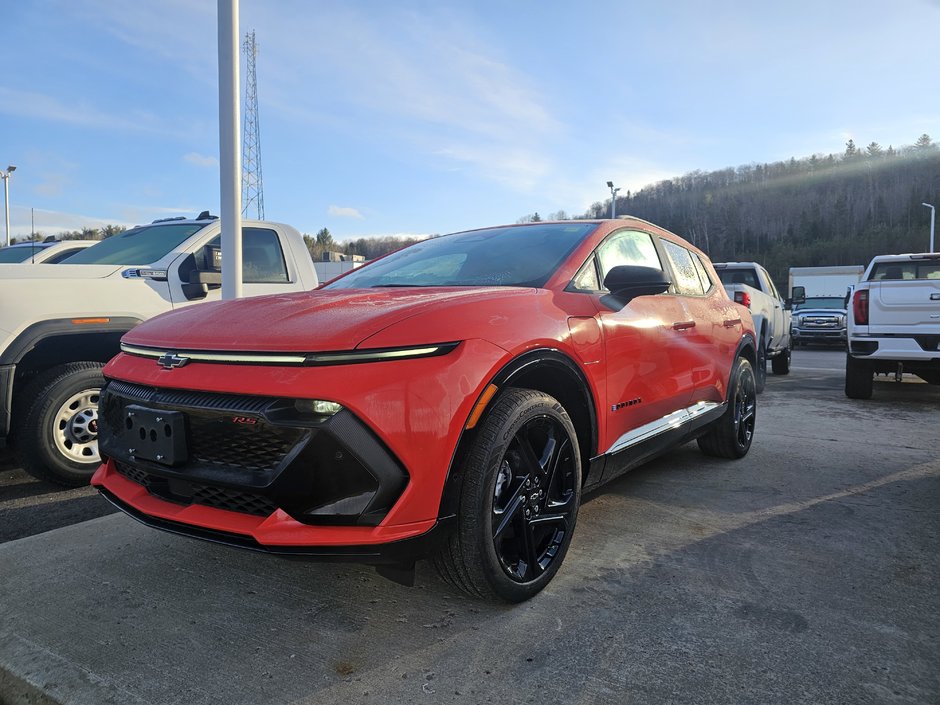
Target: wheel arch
<point>747,349</point>
<point>545,370</point>
<point>55,342</point>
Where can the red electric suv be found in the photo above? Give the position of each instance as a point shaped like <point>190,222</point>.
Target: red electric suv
<point>449,401</point>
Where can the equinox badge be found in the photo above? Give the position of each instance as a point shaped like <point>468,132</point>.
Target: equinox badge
<point>170,360</point>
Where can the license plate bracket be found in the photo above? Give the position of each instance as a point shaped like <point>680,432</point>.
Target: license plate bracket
<point>158,436</point>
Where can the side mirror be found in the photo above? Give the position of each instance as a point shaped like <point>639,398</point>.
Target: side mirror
<point>200,282</point>
<point>798,295</point>
<point>626,282</point>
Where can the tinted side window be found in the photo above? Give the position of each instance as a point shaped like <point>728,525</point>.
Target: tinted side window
<point>703,275</point>
<point>687,279</point>
<point>628,247</point>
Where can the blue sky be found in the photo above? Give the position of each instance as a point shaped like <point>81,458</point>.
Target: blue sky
<point>406,117</point>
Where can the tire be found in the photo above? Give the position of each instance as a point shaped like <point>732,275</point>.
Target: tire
<point>781,364</point>
<point>858,378</point>
<point>507,546</point>
<point>57,435</point>
<point>731,435</point>
<point>760,371</point>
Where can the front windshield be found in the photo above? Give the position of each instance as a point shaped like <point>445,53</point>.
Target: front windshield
<point>518,255</point>
<point>822,302</point>
<point>144,245</point>
<point>12,255</point>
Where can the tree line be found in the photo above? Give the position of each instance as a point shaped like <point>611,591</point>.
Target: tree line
<point>818,210</point>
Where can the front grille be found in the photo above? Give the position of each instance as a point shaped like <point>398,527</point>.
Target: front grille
<point>133,474</point>
<point>233,500</point>
<point>186,398</point>
<point>223,430</point>
<point>217,441</point>
<point>206,495</point>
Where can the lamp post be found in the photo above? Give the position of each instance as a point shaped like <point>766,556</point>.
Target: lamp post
<point>613,199</point>
<point>933,217</point>
<point>5,175</point>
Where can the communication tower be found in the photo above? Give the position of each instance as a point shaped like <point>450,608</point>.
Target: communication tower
<point>252,180</point>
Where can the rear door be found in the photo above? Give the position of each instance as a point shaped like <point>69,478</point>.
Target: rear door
<point>707,334</point>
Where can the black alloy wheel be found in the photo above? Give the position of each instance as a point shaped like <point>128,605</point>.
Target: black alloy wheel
<point>745,410</point>
<point>533,499</point>
<point>732,434</point>
<point>519,499</point>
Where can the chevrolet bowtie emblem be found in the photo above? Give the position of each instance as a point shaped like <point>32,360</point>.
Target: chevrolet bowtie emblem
<point>170,360</point>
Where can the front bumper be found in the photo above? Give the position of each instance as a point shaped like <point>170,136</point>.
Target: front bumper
<point>286,498</point>
<point>829,335</point>
<point>380,548</point>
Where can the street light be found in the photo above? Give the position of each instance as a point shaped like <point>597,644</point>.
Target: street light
<point>5,175</point>
<point>613,199</point>
<point>933,217</point>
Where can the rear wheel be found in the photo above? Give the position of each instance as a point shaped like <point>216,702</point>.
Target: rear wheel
<point>732,434</point>
<point>57,435</point>
<point>519,500</point>
<point>858,378</point>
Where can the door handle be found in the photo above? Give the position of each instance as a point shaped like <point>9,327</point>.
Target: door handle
<point>683,325</point>
<point>732,322</point>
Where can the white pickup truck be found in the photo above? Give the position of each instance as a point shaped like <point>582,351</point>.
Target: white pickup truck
<point>750,285</point>
<point>894,322</point>
<point>60,323</point>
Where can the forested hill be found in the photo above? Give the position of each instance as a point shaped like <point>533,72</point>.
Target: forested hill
<point>821,210</point>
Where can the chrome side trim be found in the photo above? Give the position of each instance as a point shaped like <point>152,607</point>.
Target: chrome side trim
<point>668,422</point>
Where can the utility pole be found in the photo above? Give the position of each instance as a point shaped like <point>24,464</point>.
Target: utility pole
<point>252,179</point>
<point>5,175</point>
<point>229,166</point>
<point>613,199</point>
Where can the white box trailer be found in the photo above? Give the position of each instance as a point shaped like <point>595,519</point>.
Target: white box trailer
<point>826,281</point>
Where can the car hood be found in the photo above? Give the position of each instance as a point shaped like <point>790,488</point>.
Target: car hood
<point>57,271</point>
<point>306,322</point>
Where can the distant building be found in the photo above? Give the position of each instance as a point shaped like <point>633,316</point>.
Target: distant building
<point>336,263</point>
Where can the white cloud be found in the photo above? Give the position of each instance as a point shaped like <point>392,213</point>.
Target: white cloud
<point>204,160</point>
<point>344,212</point>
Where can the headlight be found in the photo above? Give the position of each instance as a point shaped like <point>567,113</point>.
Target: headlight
<point>320,407</point>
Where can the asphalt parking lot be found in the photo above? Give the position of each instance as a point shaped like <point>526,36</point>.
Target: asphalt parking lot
<point>805,573</point>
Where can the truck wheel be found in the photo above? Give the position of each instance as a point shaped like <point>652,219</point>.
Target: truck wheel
<point>57,436</point>
<point>858,378</point>
<point>781,364</point>
<point>732,434</point>
<point>519,500</point>
<point>760,370</point>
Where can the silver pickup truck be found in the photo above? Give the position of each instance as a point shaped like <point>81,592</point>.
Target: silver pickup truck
<point>894,322</point>
<point>750,285</point>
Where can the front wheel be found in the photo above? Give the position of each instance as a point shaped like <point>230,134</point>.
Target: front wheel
<point>519,500</point>
<point>732,434</point>
<point>57,435</point>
